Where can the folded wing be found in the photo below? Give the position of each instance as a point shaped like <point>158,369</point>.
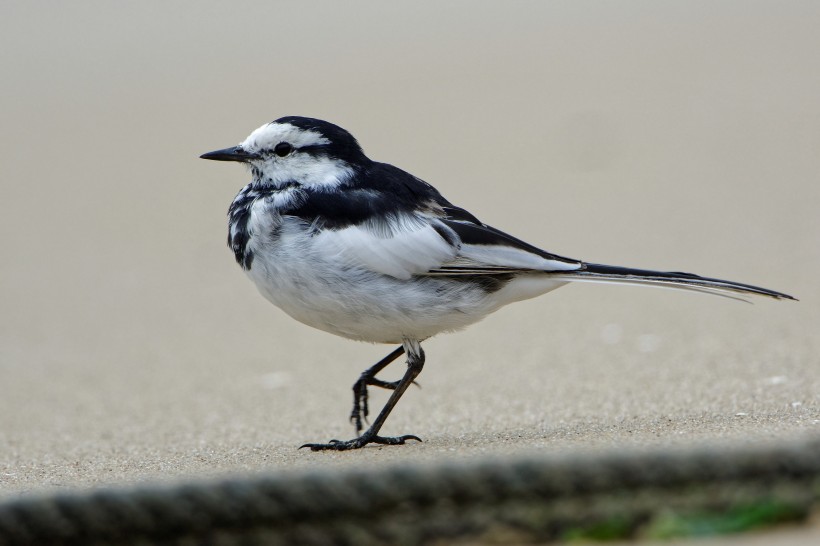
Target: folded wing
<point>456,243</point>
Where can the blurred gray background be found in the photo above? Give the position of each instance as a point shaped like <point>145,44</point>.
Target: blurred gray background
<point>668,135</point>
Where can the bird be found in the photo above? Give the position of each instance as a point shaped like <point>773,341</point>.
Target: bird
<point>366,251</point>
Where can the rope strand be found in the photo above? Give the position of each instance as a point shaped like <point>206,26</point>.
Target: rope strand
<point>496,501</point>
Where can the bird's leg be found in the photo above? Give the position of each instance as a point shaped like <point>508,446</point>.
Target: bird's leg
<point>415,362</point>
<point>368,377</point>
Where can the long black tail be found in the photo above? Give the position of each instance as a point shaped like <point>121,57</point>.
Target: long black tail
<point>681,281</point>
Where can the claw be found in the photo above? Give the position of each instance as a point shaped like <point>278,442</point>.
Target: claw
<point>361,441</point>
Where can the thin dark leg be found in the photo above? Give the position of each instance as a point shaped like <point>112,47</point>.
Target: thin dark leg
<point>415,363</point>
<point>360,407</point>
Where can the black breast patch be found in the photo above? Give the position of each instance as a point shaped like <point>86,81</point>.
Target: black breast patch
<point>239,214</point>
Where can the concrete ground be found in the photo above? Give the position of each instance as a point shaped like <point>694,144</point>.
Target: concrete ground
<point>678,137</point>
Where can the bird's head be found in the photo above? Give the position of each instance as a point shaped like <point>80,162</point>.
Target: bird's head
<point>297,150</point>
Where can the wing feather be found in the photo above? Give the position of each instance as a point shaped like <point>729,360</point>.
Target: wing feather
<point>486,250</point>
<point>398,246</point>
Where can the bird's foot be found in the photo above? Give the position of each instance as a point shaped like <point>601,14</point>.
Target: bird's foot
<point>361,441</point>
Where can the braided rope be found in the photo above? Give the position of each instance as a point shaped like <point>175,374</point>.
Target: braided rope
<point>494,501</point>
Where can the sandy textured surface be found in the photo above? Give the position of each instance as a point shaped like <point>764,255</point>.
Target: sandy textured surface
<point>678,137</point>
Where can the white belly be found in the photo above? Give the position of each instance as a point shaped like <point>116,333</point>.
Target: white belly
<point>328,294</point>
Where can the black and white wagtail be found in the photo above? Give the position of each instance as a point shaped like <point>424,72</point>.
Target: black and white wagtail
<point>369,252</point>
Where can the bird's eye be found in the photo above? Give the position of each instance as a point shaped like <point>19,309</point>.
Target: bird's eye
<point>282,149</point>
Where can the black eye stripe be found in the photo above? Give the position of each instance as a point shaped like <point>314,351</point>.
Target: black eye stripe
<point>282,149</point>
<point>313,148</point>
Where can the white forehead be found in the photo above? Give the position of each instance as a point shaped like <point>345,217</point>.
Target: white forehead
<point>271,134</point>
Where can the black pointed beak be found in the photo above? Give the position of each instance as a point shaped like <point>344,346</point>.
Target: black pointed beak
<point>229,154</point>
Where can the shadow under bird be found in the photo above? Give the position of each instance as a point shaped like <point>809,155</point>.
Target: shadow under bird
<point>369,252</point>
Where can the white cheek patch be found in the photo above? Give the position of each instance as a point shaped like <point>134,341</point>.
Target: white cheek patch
<point>316,172</point>
<point>401,249</point>
<point>308,171</point>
